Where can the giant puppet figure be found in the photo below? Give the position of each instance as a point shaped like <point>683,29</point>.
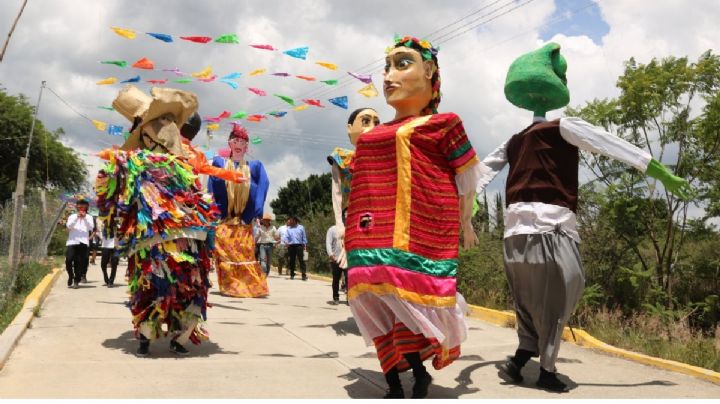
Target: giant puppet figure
<point>412,190</point>
<point>149,190</point>
<point>239,273</point>
<point>542,261</point>
<point>360,121</point>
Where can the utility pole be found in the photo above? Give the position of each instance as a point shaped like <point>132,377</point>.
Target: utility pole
<point>16,232</point>
<point>12,29</point>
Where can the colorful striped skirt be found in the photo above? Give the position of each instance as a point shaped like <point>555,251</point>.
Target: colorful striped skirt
<point>239,273</point>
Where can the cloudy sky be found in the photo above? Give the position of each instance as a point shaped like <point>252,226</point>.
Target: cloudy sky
<point>62,42</point>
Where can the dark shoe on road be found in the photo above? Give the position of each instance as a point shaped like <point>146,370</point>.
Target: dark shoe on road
<point>304,278</point>
<point>76,285</point>
<point>176,348</point>
<point>144,349</point>
<point>394,393</point>
<point>549,381</point>
<point>511,370</point>
<point>334,302</point>
<point>84,280</point>
<point>420,388</point>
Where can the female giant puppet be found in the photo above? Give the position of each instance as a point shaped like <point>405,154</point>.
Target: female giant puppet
<point>542,261</point>
<point>413,185</point>
<point>360,121</point>
<point>150,191</point>
<point>239,274</point>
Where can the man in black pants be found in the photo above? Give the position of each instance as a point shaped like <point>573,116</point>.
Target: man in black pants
<point>79,226</point>
<point>296,241</point>
<point>334,248</point>
<point>107,254</point>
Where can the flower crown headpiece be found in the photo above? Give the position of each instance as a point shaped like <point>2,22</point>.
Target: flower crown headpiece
<point>421,45</point>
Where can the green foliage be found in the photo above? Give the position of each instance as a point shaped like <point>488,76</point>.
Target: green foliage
<point>29,275</point>
<point>48,156</point>
<point>639,245</point>
<point>304,197</point>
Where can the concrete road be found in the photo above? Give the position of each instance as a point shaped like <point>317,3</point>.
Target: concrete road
<point>292,344</point>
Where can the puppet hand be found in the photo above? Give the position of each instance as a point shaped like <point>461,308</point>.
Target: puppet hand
<point>470,239</point>
<point>672,183</point>
<point>239,177</point>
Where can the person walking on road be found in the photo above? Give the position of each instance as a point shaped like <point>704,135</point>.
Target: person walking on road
<point>282,247</point>
<point>107,254</point>
<point>334,248</point>
<point>296,241</point>
<point>79,226</point>
<point>265,238</point>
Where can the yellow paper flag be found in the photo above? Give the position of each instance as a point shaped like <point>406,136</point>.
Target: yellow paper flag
<point>213,126</point>
<point>328,65</point>
<point>369,90</point>
<point>257,72</point>
<point>204,73</point>
<point>99,125</point>
<point>127,33</point>
<point>301,107</point>
<point>109,80</point>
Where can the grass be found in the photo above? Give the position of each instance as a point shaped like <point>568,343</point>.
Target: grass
<point>29,275</point>
<point>648,334</point>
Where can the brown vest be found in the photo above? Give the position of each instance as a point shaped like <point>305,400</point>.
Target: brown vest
<point>543,167</point>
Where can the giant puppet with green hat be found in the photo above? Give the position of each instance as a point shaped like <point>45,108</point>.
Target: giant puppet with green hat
<point>542,260</point>
<point>150,193</point>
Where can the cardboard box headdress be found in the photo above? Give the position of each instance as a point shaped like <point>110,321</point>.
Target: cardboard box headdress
<point>174,106</point>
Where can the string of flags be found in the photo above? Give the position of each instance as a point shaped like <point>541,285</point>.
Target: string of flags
<point>207,75</point>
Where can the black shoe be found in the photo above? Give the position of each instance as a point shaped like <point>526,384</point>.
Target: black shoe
<point>394,393</point>
<point>511,370</point>
<point>549,381</point>
<point>335,302</point>
<point>292,277</point>
<point>420,388</point>
<point>84,280</point>
<point>144,349</point>
<point>76,285</point>
<point>70,283</point>
<point>177,348</point>
<point>304,277</point>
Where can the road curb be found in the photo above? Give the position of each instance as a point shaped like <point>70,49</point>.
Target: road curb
<point>585,340</point>
<point>21,322</point>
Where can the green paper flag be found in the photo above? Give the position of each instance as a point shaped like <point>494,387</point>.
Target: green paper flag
<point>330,82</point>
<point>106,108</point>
<point>119,63</point>
<point>183,80</point>
<point>239,115</point>
<point>126,135</point>
<point>227,38</point>
<point>256,140</point>
<point>285,98</point>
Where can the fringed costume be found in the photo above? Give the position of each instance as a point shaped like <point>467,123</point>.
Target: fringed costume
<point>162,224</point>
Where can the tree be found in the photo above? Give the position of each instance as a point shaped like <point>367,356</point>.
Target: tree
<point>655,111</point>
<point>49,158</point>
<point>304,197</point>
<point>499,216</point>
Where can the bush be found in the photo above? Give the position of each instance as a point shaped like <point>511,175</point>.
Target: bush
<point>29,275</point>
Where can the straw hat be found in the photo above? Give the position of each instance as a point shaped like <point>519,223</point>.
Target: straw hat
<point>267,216</point>
<point>173,106</point>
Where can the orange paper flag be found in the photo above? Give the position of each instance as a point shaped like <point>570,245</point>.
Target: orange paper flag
<point>144,63</point>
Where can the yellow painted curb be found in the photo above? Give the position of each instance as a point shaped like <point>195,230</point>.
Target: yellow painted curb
<point>319,277</point>
<point>583,339</point>
<point>40,292</point>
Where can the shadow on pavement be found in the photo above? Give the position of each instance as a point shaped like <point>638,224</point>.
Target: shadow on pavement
<point>224,306</point>
<point>341,328</point>
<point>105,302</point>
<point>159,348</point>
<point>371,384</point>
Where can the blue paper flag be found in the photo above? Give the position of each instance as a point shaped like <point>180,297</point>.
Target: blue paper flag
<point>209,154</point>
<point>115,130</point>
<point>300,53</point>
<point>162,37</point>
<point>341,102</point>
<point>278,114</point>
<point>231,76</point>
<point>132,80</point>
<point>232,84</point>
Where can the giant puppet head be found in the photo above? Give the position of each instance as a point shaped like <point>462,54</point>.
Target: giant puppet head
<point>536,81</point>
<point>238,142</point>
<point>157,118</point>
<point>411,83</point>
<point>360,121</point>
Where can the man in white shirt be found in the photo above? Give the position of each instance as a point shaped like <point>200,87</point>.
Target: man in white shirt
<point>79,226</point>
<point>282,248</point>
<point>265,238</point>
<point>334,248</point>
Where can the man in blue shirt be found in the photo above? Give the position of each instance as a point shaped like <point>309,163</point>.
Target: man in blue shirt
<point>296,242</point>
